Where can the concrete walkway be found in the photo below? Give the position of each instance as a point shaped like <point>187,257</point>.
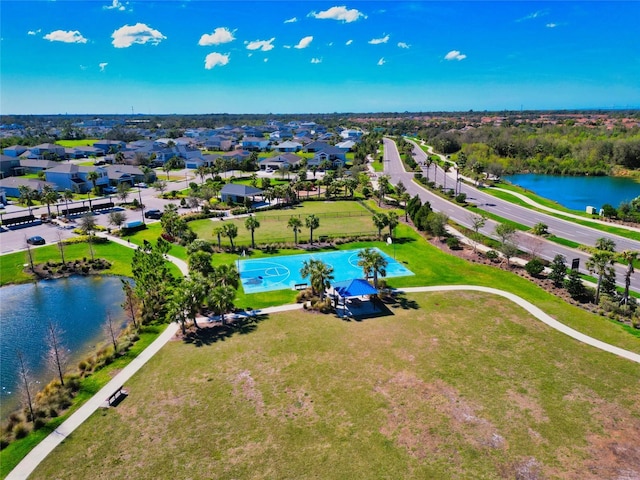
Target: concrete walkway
<point>535,204</point>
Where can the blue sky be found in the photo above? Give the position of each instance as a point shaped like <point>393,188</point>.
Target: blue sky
<point>305,56</point>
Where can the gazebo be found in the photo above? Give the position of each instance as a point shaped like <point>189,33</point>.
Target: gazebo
<point>352,292</point>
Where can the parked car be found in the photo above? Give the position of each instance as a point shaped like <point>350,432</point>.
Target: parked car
<point>36,240</point>
<point>153,213</point>
<point>110,190</point>
<point>141,185</point>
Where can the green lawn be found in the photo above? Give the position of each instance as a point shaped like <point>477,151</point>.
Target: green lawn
<point>77,143</point>
<point>336,219</point>
<point>444,386</point>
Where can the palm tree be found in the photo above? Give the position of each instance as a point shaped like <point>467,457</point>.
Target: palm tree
<point>251,223</point>
<point>92,176</point>
<point>226,274</point>
<point>372,263</point>
<point>295,224</point>
<point>312,222</point>
<point>392,222</point>
<point>202,171</point>
<point>320,275</point>
<point>605,244</point>
<point>49,196</point>
<point>26,195</point>
<point>429,162</point>
<point>219,231</point>
<point>380,220</point>
<point>220,299</point>
<point>599,263</point>
<point>67,195</point>
<point>231,231</point>
<point>404,198</point>
<point>629,257</point>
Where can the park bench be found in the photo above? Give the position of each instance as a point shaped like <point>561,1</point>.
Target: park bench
<point>116,397</point>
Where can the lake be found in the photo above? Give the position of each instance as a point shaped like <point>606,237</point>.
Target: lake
<point>78,305</point>
<point>578,192</point>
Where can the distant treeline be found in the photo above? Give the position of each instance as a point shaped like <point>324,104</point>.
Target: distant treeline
<point>552,149</point>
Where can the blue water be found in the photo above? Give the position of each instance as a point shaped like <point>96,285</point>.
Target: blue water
<point>78,305</point>
<point>283,272</point>
<point>579,192</point>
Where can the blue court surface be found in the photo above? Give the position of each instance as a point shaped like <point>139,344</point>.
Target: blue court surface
<point>280,273</point>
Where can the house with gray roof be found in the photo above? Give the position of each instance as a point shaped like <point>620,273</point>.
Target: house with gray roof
<point>288,160</point>
<point>75,177</point>
<point>11,185</point>
<point>15,150</point>
<point>288,146</point>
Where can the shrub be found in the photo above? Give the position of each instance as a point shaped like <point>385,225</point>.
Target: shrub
<point>20,431</point>
<point>461,198</point>
<point>534,267</point>
<point>492,255</point>
<point>453,243</point>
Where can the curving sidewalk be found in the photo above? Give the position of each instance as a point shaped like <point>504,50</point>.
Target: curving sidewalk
<point>537,313</point>
<point>40,452</point>
<point>535,204</point>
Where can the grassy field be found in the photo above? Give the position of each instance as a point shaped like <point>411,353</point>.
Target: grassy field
<point>77,143</point>
<point>444,386</point>
<point>336,218</point>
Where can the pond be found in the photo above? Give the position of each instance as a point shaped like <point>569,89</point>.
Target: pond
<point>579,192</point>
<point>78,305</point>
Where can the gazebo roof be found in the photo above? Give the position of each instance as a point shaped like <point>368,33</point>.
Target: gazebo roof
<point>356,287</point>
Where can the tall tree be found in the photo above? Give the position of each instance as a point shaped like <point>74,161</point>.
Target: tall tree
<point>226,274</point>
<point>67,195</point>
<point>380,220</point>
<point>93,177</point>
<point>49,197</point>
<point>506,234</point>
<point>220,299</point>
<point>130,303</point>
<point>320,275</point>
<point>598,264</point>
<point>629,257</point>
<point>312,222</point>
<point>558,270</point>
<point>218,231</point>
<point>372,264</point>
<point>295,224</point>
<point>477,222</point>
<point>392,222</point>
<point>251,223</point>
<point>57,355</point>
<point>26,385</point>
<point>231,231</point>
<point>200,262</point>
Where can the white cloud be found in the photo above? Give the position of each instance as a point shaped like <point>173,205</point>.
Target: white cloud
<point>377,41</point>
<point>83,67</point>
<point>263,45</point>
<point>291,20</point>
<point>215,59</point>
<point>534,15</point>
<point>381,62</point>
<point>316,60</point>
<point>139,33</point>
<point>65,36</point>
<point>339,13</point>
<point>219,35</point>
<point>304,43</point>
<point>286,46</point>
<point>454,55</point>
<point>34,32</point>
<point>266,60</point>
<point>552,25</point>
<point>115,5</point>
<point>349,42</point>
<point>102,66</point>
<point>403,45</point>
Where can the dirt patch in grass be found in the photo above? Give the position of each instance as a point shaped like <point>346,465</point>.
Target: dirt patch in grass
<point>244,386</point>
<point>527,404</point>
<point>410,398</point>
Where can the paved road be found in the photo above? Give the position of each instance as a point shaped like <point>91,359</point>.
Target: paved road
<point>545,249</point>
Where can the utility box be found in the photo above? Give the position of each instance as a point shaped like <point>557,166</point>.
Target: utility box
<point>591,210</point>
<point>134,224</point>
